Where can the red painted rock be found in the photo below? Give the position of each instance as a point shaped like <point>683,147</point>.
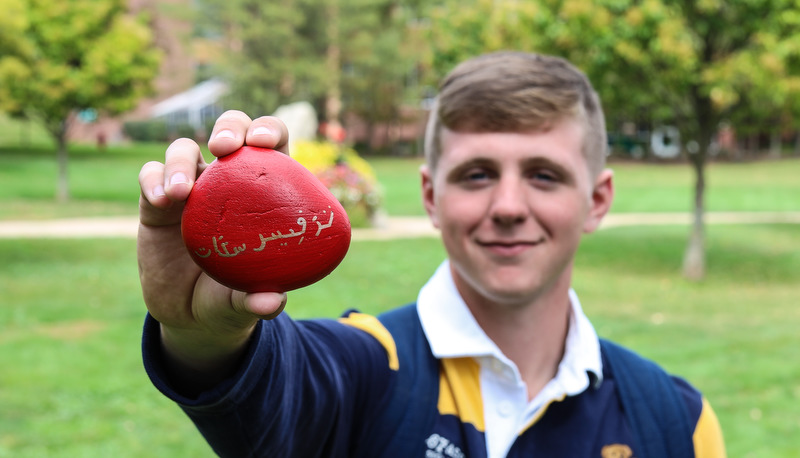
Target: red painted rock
<point>257,220</point>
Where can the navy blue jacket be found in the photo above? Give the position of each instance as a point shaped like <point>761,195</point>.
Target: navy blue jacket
<point>321,388</point>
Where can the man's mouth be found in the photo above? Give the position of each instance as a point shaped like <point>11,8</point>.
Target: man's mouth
<point>509,247</point>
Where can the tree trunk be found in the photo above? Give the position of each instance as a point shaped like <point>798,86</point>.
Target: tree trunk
<point>694,262</point>
<point>333,102</point>
<point>62,189</point>
<point>775,144</point>
<point>694,259</point>
<point>753,146</point>
<point>58,130</point>
<point>797,144</point>
<point>370,135</point>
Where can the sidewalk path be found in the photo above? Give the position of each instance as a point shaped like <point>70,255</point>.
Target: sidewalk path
<point>391,228</point>
<point>127,226</point>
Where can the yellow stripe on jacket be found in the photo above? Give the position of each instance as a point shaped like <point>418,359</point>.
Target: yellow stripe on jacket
<point>708,442</point>
<point>371,325</point>
<point>460,391</point>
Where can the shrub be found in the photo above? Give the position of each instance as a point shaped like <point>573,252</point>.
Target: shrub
<point>159,131</point>
<point>349,178</point>
<point>146,131</point>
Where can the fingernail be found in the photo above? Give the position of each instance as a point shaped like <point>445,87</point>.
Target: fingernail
<point>158,191</point>
<point>262,130</point>
<point>178,178</point>
<point>225,133</point>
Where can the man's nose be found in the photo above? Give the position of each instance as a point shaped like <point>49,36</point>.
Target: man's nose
<point>509,204</point>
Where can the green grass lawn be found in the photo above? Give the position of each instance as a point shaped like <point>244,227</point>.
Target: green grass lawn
<point>105,183</point>
<point>71,310</point>
<point>400,182</point>
<point>72,382</point>
<point>751,186</point>
<point>101,182</point>
<point>734,335</point>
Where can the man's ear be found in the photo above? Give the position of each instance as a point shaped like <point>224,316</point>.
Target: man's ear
<point>601,199</point>
<point>428,199</point>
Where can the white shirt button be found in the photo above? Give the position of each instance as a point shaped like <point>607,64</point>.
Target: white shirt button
<point>497,366</point>
<point>505,408</point>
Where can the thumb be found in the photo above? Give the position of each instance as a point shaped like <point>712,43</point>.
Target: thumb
<point>265,306</point>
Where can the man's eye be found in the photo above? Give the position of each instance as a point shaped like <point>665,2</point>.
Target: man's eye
<point>476,175</point>
<point>545,176</point>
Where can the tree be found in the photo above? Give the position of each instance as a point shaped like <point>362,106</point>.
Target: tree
<point>345,56</point>
<point>381,62</point>
<point>690,63</point>
<point>270,58</point>
<point>57,58</point>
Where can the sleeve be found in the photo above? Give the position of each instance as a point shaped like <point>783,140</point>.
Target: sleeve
<point>707,436</point>
<point>708,440</point>
<point>304,389</point>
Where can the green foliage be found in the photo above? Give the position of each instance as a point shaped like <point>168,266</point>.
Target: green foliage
<point>287,60</point>
<point>146,131</point>
<point>678,62</point>
<point>158,131</point>
<point>269,61</point>
<point>65,56</point>
<point>457,33</point>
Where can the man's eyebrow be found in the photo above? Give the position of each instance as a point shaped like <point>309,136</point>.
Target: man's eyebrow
<point>481,161</point>
<point>536,161</point>
<point>542,161</point>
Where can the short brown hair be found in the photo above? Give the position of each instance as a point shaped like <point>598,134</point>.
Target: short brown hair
<point>516,92</point>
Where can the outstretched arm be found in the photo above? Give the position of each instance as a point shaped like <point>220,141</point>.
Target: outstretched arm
<point>205,326</point>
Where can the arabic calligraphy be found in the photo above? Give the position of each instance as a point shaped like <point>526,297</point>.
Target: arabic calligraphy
<point>224,245</point>
<point>220,247</point>
<point>323,226</point>
<point>274,236</point>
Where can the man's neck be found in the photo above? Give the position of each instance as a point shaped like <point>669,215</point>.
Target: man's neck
<point>533,336</point>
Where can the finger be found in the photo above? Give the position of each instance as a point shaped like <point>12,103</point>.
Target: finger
<point>151,182</point>
<point>265,306</point>
<point>268,132</point>
<point>155,208</point>
<point>181,167</point>
<point>229,133</point>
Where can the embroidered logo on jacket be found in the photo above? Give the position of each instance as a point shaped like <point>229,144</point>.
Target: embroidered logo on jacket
<point>616,451</point>
<point>440,447</point>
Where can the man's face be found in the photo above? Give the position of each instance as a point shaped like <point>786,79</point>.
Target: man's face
<point>512,207</point>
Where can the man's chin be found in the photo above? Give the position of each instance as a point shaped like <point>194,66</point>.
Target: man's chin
<point>509,296</point>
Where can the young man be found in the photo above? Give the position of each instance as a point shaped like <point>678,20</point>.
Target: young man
<point>496,359</point>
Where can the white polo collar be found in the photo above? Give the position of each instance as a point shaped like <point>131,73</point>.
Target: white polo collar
<point>453,332</point>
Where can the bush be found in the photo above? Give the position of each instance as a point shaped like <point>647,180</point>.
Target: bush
<point>158,131</point>
<point>146,131</point>
<point>349,178</point>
